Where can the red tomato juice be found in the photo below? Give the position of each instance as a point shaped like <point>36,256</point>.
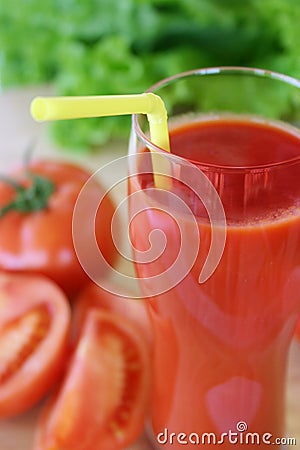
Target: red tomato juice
<point>221,346</point>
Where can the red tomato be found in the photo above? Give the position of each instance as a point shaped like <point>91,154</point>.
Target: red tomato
<point>34,339</point>
<point>135,310</point>
<point>36,223</point>
<point>103,401</point>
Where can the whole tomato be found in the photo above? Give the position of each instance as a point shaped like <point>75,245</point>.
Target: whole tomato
<point>36,209</point>
<point>94,297</point>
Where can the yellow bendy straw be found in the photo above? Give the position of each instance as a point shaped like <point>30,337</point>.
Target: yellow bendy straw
<point>60,108</point>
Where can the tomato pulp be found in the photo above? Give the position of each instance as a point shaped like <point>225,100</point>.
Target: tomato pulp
<point>221,346</point>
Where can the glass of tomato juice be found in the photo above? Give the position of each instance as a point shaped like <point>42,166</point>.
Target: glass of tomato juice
<point>227,201</point>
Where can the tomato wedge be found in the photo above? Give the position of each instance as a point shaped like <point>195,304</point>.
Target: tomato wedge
<point>34,339</point>
<point>135,310</point>
<point>103,401</point>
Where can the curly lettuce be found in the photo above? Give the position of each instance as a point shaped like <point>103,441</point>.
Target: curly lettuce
<point>112,46</point>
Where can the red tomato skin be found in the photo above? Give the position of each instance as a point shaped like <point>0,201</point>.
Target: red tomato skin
<point>30,382</point>
<point>89,413</point>
<point>41,241</point>
<point>133,309</point>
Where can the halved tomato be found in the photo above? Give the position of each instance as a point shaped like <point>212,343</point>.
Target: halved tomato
<point>103,401</point>
<point>135,310</point>
<point>34,339</point>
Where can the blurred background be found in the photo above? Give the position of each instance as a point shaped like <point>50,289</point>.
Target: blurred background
<point>88,47</point>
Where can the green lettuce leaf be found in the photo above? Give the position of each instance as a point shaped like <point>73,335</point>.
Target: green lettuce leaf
<point>111,47</point>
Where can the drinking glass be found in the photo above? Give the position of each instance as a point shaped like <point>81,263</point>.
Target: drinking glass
<point>216,238</point>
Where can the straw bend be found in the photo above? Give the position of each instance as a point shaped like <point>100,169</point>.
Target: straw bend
<point>157,112</point>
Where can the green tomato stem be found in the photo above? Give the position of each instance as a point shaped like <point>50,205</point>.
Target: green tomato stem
<point>29,199</point>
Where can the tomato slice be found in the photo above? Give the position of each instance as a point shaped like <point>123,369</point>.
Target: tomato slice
<point>34,339</point>
<point>103,401</point>
<point>135,310</point>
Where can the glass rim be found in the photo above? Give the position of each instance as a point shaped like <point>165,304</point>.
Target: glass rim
<point>227,70</point>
